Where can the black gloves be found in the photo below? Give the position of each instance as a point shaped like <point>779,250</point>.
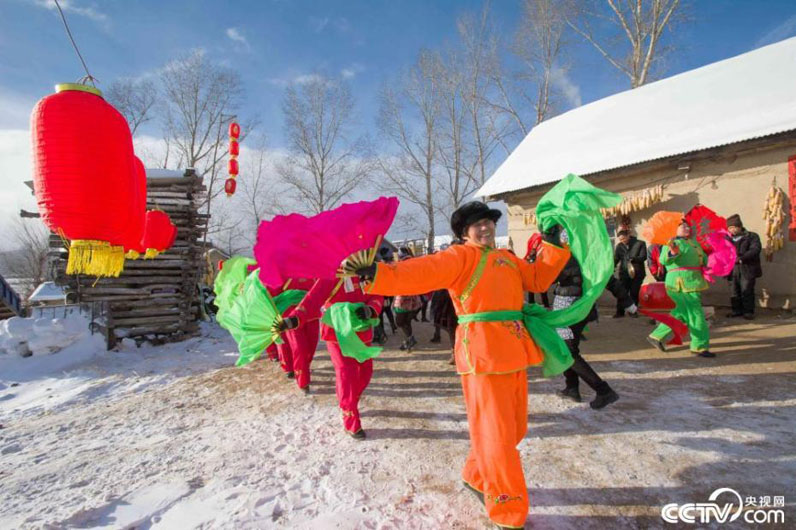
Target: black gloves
<point>288,323</point>
<point>553,235</point>
<point>365,313</point>
<point>367,273</point>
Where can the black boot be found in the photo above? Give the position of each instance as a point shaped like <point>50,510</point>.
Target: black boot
<point>291,375</point>
<point>306,390</point>
<point>571,393</point>
<point>659,345</point>
<point>605,396</point>
<point>359,435</point>
<point>708,354</point>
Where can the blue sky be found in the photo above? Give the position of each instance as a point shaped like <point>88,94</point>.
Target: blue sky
<point>273,42</point>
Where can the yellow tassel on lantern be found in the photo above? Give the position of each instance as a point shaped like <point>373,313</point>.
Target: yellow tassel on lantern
<point>151,253</point>
<point>132,254</point>
<point>95,258</point>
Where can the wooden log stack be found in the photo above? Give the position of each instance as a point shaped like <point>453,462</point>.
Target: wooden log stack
<point>153,299</point>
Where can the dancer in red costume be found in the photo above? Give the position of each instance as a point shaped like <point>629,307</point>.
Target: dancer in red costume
<point>352,377</point>
<point>298,349</point>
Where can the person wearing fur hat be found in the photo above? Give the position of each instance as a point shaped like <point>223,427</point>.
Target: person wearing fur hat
<point>493,346</point>
<point>746,270</point>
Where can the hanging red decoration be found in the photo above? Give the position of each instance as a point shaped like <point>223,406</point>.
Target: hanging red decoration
<point>229,186</point>
<point>83,172</point>
<point>159,233</point>
<point>234,147</point>
<point>234,130</point>
<point>233,167</point>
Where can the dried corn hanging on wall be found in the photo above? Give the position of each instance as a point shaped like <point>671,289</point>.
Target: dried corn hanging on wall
<point>774,216</point>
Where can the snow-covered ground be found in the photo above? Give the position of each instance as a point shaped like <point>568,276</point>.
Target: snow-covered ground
<point>176,437</point>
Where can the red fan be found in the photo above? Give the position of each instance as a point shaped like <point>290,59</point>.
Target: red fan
<point>703,222</point>
<point>295,246</point>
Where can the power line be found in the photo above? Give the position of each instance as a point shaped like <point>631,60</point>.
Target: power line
<point>90,78</point>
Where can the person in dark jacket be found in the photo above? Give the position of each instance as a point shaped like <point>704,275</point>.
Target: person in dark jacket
<point>568,288</point>
<point>630,256</point>
<point>746,270</point>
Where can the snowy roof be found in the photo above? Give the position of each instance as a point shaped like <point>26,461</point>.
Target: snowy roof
<point>157,173</point>
<point>47,292</point>
<point>741,98</point>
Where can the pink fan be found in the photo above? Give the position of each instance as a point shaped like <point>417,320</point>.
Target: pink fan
<point>295,246</point>
<point>710,230</point>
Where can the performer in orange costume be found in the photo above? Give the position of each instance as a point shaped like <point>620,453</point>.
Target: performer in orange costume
<point>491,357</point>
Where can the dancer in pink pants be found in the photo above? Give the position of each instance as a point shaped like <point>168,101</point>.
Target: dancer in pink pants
<point>352,377</point>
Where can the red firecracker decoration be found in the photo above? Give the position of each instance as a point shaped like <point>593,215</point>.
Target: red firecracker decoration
<point>234,130</point>
<point>83,172</point>
<point>229,186</point>
<point>234,147</point>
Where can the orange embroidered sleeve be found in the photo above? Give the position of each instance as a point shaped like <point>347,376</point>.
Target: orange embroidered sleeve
<point>538,276</point>
<point>418,275</point>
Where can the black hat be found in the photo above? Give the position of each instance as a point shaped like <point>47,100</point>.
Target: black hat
<point>734,220</point>
<point>470,213</point>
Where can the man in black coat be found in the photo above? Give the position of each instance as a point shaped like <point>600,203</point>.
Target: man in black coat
<point>747,268</point>
<point>630,255</point>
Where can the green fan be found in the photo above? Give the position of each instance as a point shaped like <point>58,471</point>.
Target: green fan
<point>252,320</point>
<point>229,283</point>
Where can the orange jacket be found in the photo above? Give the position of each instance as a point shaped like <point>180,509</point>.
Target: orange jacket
<point>480,279</point>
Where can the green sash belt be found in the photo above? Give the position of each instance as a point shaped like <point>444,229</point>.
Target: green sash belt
<point>342,317</point>
<point>557,357</point>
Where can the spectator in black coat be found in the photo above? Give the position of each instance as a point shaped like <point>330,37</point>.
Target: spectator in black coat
<point>746,270</point>
<point>630,256</point>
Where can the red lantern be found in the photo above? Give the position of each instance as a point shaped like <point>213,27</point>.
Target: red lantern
<point>159,233</point>
<point>234,147</point>
<point>229,186</point>
<point>133,241</point>
<point>83,171</point>
<point>234,130</point>
<point>233,166</point>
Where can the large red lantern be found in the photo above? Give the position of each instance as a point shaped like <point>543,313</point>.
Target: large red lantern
<point>159,233</point>
<point>83,171</point>
<point>136,224</point>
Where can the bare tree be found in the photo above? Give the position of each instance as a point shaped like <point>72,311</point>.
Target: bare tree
<point>641,23</point>
<point>200,98</point>
<point>324,165</point>
<point>259,192</point>
<point>480,61</point>
<point>134,98</point>
<point>539,43</point>
<point>457,139</point>
<point>27,262</point>
<point>409,118</point>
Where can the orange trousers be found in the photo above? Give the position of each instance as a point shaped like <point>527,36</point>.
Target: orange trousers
<point>497,413</point>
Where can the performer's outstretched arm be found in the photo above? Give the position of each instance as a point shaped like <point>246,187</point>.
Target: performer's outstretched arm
<point>537,277</point>
<point>418,275</point>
